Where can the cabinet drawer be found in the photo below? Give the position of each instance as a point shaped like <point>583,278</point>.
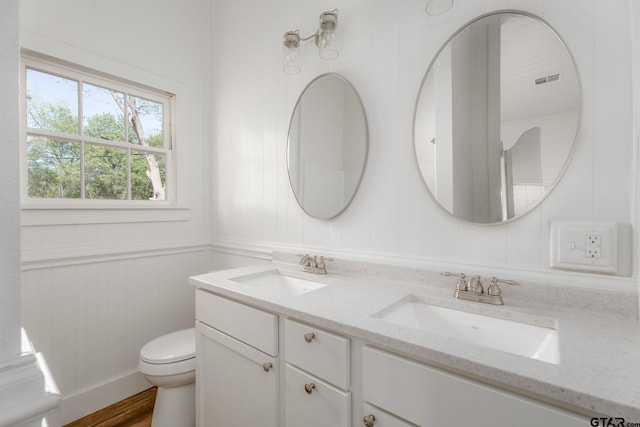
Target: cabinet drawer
<point>382,419</point>
<point>431,397</point>
<point>321,406</point>
<point>322,353</point>
<point>252,326</point>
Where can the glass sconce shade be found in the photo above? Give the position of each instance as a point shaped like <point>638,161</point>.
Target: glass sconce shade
<point>326,38</point>
<point>327,45</point>
<point>291,61</point>
<point>291,52</point>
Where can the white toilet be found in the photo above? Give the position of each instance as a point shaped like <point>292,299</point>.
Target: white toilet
<point>169,362</point>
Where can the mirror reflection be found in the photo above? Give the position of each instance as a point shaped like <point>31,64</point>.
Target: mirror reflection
<point>496,118</point>
<point>327,148</point>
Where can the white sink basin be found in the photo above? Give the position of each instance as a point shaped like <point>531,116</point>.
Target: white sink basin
<point>538,342</point>
<point>277,284</point>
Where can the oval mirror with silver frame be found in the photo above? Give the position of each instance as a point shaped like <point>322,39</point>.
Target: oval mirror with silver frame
<point>496,117</point>
<point>327,146</point>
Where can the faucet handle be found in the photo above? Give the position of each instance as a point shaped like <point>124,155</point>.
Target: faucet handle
<point>505,281</point>
<point>321,261</point>
<point>461,285</point>
<point>494,289</point>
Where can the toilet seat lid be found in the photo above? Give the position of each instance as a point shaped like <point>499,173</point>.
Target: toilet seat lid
<point>173,347</point>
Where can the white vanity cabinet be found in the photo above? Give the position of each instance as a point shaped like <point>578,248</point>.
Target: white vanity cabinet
<point>237,372</point>
<point>256,367</point>
<point>427,396</point>
<point>317,377</point>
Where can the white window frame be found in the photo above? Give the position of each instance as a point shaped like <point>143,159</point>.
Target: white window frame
<point>64,69</point>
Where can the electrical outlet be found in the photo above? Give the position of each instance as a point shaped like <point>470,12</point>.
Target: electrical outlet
<point>592,251</point>
<point>592,244</point>
<point>584,246</point>
<point>593,239</point>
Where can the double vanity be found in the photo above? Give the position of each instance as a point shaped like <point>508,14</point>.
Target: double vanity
<point>287,344</point>
<point>385,346</point>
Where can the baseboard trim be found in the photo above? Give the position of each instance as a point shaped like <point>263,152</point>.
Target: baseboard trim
<point>88,401</point>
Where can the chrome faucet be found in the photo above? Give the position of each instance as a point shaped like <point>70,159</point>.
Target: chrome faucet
<point>474,291</point>
<point>475,285</point>
<point>311,264</point>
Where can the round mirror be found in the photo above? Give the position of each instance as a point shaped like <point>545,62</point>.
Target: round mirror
<point>496,117</point>
<point>327,147</point>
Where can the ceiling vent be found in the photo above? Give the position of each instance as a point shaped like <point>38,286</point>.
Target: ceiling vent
<point>547,79</point>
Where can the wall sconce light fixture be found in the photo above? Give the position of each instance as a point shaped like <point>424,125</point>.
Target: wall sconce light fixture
<point>324,37</point>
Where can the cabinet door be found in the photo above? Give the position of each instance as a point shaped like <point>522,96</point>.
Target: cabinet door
<point>311,402</point>
<point>236,385</point>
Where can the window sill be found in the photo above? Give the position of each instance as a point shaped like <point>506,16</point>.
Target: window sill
<point>39,215</point>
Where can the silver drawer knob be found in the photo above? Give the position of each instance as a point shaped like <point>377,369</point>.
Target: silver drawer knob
<point>309,388</point>
<point>369,420</point>
<point>309,336</point>
<point>267,366</point>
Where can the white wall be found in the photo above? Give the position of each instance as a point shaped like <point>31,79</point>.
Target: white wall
<point>386,48</point>
<point>9,175</point>
<point>97,285</point>
<point>91,320</point>
<point>92,289</point>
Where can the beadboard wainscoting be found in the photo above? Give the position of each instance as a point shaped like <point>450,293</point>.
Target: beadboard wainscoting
<point>91,320</point>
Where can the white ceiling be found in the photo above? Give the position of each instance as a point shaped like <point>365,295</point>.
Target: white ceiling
<point>530,50</point>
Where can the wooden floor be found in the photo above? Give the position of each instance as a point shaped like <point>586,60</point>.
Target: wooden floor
<point>135,411</point>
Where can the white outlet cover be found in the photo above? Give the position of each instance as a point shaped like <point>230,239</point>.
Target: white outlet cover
<point>570,251</point>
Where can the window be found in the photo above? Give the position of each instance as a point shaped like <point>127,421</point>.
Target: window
<point>91,137</point>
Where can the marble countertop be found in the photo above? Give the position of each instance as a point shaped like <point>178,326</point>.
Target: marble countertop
<point>599,333</point>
